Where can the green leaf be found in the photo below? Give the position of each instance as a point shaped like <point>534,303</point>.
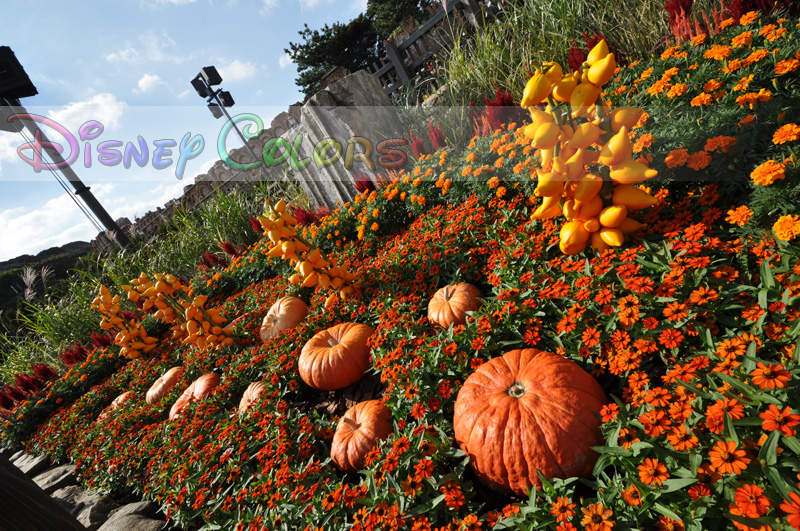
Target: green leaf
<point>755,523</point>
<point>763,298</point>
<point>663,509</point>
<point>694,462</point>
<point>730,431</point>
<point>612,450</point>
<point>766,274</point>
<point>775,478</point>
<point>768,452</point>
<point>425,507</point>
<point>792,444</point>
<point>672,485</point>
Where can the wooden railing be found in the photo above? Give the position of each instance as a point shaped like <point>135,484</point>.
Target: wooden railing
<point>402,63</point>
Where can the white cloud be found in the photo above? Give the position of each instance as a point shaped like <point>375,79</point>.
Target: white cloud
<point>152,48</point>
<point>148,83</point>
<point>105,108</point>
<point>8,147</point>
<point>312,4</point>
<point>267,6</point>
<point>237,70</point>
<point>159,3</point>
<point>284,60</point>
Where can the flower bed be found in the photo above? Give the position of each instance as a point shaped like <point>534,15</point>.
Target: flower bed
<point>690,328</point>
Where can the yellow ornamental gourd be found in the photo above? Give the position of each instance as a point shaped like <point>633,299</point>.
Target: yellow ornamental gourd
<point>585,135</point>
<point>613,216</point>
<point>600,51</point>
<point>601,71</point>
<point>540,117</point>
<point>573,233</point>
<point>598,244</point>
<point>630,225</point>
<point>547,136</point>
<point>588,187</point>
<point>549,184</point>
<point>618,149</point>
<point>632,197</point>
<point>591,225</point>
<point>625,116</point>
<point>612,237</point>
<point>590,208</point>
<point>562,90</point>
<point>631,172</point>
<point>536,90</point>
<point>583,97</point>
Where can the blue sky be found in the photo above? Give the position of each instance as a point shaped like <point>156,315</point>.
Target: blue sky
<point>129,68</point>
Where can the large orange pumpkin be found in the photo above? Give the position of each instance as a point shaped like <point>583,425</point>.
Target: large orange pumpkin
<point>358,431</point>
<point>116,403</point>
<point>336,357</point>
<point>250,395</point>
<point>525,411</point>
<point>199,388</point>
<point>449,305</point>
<point>164,383</point>
<point>286,313</point>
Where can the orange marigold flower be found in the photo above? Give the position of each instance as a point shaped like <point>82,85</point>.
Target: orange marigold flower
<point>701,99</point>
<point>770,376</point>
<point>789,65</point>
<point>743,39</point>
<point>723,143</point>
<point>787,227</point>
<point>775,419</point>
<point>651,472</point>
<point>768,172</point>
<point>786,133</point>
<point>676,157</point>
<point>756,56</point>
<point>712,85</point>
<point>698,161</point>
<point>678,89</point>
<point>597,518</point>
<point>718,52</point>
<point>644,141</point>
<point>747,18</point>
<point>727,459</point>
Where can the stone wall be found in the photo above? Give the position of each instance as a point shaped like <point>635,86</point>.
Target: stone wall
<point>353,106</point>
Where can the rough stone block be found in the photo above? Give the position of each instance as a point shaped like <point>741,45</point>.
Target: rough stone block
<point>55,478</point>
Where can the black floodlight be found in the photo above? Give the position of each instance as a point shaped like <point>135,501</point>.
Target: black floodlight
<point>226,98</point>
<point>211,75</point>
<point>203,90</point>
<point>14,82</point>
<point>215,109</point>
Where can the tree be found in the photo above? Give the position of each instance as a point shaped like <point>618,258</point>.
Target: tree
<point>354,46</point>
<point>389,15</point>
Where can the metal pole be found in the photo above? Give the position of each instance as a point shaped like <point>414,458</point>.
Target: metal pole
<point>81,190</point>
<point>238,132</point>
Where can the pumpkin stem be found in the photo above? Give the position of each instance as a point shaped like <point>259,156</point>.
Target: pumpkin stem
<point>447,293</point>
<point>332,342</point>
<point>516,391</point>
<point>351,423</point>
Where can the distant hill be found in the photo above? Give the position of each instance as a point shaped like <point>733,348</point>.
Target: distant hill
<point>59,259</point>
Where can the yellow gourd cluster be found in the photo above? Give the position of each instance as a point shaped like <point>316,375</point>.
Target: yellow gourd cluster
<point>310,263</point>
<point>192,323</point>
<point>575,131</point>
<point>132,337</point>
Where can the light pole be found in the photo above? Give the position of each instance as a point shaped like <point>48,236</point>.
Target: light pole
<point>218,100</point>
<point>15,84</point>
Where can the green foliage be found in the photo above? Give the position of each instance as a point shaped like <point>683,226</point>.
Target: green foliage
<point>354,45</point>
<point>388,15</point>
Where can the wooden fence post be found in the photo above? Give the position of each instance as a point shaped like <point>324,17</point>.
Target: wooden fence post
<point>399,65</point>
<point>473,13</point>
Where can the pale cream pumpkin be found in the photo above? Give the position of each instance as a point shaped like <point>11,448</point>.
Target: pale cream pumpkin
<point>161,386</point>
<point>286,313</point>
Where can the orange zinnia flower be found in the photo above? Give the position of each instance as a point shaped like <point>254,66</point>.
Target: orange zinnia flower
<point>632,496</point>
<point>726,459</point>
<point>562,509</point>
<point>775,419</point>
<point>651,472</point>
<point>770,376</point>
<point>750,500</point>
<point>792,510</point>
<point>597,518</point>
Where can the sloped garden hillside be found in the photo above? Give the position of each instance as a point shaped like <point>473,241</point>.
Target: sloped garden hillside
<point>689,327</point>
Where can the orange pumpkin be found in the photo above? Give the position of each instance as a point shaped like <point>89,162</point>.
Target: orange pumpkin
<point>116,403</point>
<point>286,313</point>
<point>336,357</point>
<point>449,305</point>
<point>525,411</point>
<point>251,394</point>
<point>164,383</point>
<point>358,431</point>
<point>199,388</point>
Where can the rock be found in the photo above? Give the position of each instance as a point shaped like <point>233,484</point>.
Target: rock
<point>134,517</point>
<point>96,511</point>
<point>17,455</point>
<point>70,498</point>
<point>55,478</point>
<point>354,106</point>
<point>31,465</point>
